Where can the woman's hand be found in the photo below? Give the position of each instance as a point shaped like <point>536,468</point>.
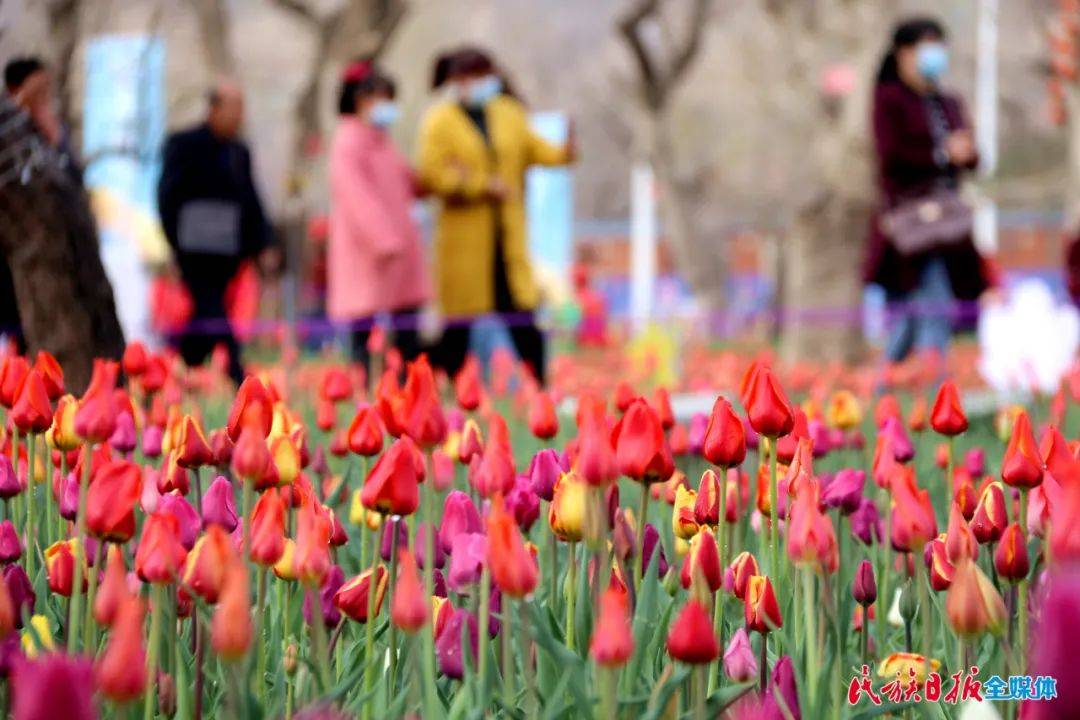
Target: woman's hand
<point>497,189</point>
<point>960,147</point>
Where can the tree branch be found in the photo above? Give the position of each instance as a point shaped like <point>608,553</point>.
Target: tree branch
<point>692,43</point>
<point>630,26</point>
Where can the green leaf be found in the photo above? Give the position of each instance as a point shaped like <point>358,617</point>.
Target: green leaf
<point>662,694</point>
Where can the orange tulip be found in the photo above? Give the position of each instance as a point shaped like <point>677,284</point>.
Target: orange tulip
<point>904,665</point>
<point>95,418</point>
<point>743,567</point>
<point>410,607</point>
<point>208,562</point>
<point>113,589</point>
<point>285,455</point>
<point>612,643</point>
<point>938,566</point>
<point>973,605</point>
<point>760,608</point>
<point>251,458</point>
<point>60,559</point>
<point>121,669</point>
<point>468,387</point>
<point>513,567</point>
<point>566,512</point>
<point>913,520</point>
<point>253,406</point>
<point>61,434</point>
<point>811,539</point>
<point>702,561</point>
<point>51,373</point>
<point>230,627</point>
<point>960,542</point>
<point>191,446</point>
<point>268,528</point>
<point>947,417</point>
<point>990,518</point>
<point>470,442</point>
<point>312,559</point>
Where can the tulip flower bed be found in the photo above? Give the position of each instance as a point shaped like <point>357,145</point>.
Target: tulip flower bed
<point>456,549</point>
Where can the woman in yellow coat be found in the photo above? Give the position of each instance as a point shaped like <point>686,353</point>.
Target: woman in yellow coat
<point>475,147</point>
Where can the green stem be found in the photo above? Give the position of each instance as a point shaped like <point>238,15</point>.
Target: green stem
<point>318,639</point>
<point>608,706</point>
<point>157,592</point>
<point>1022,600</point>
<point>925,609</point>
<point>811,634</point>
<point>700,692</point>
<point>571,593</point>
<point>31,490</point>
<point>245,506</point>
<point>507,653</point>
<point>485,623</point>
<point>260,632</point>
<point>643,509</point>
<point>774,512</point>
<point>390,599</point>
<point>431,701</point>
<point>89,639</point>
<point>763,664</point>
<point>75,607</point>
<point>369,637</point>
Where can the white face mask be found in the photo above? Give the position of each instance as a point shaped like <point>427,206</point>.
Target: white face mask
<point>477,93</point>
<point>383,113</point>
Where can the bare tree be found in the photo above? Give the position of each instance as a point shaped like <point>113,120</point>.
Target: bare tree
<point>214,27</point>
<point>62,18</point>
<point>356,27</point>
<point>663,58</point>
<point>820,287</point>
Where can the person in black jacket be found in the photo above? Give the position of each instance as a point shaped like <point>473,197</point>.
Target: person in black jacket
<point>213,219</point>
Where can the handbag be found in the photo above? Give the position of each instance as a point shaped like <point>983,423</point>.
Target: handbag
<point>938,219</point>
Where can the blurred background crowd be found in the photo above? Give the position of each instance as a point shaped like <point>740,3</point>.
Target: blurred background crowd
<point>846,181</point>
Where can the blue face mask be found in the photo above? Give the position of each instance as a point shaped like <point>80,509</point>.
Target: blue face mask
<point>481,90</point>
<point>383,114</point>
<point>932,60</point>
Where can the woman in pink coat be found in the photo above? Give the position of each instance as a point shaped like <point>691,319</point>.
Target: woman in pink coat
<point>375,262</point>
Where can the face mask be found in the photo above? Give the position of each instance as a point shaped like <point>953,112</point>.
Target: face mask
<point>383,114</point>
<point>932,60</point>
<point>481,90</point>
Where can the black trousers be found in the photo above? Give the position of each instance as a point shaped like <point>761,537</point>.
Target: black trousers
<point>208,294</point>
<point>528,340</point>
<point>405,337</point>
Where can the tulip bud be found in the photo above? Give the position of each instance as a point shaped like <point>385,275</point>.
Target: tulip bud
<point>1022,465</point>
<point>739,662</point>
<point>973,605</point>
<point>230,626</point>
<point>121,670</point>
<point>760,607</point>
<point>691,638</point>
<point>352,597</point>
<point>947,416</point>
<point>905,666</point>
<point>290,659</point>
<point>1011,555</point>
<point>409,607</point>
<point>612,642</point>
<point>909,604</point>
<point>864,586</point>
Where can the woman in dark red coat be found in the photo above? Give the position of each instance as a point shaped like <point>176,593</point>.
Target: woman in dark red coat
<point>924,143</point>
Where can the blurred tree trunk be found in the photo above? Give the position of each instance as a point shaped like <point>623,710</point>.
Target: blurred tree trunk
<point>353,28</point>
<point>820,289</point>
<point>63,17</point>
<point>662,65</point>
<point>49,239</point>
<point>214,27</point>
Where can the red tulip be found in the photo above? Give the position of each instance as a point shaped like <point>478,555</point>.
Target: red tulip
<point>640,449</point>
<point>743,567</point>
<point>724,444</point>
<point>1011,555</point>
<point>312,559</point>
<point>770,412</point>
<point>864,585</point>
<point>990,518</point>
<point>95,419</point>
<point>811,538</point>
<point>13,369</point>
<point>135,359</point>
<point>947,417</point>
<point>352,597</point>
<point>960,541</point>
<point>251,458</point>
<point>702,561</point>
<point>937,563</point>
<point>612,643</point>
<point>365,435</point>
<point>471,442</point>
<point>160,556</point>
<point>111,499</point>
<point>543,422</point>
<point>973,606</point>
<point>335,386</point>
<point>191,446</point>
<point>60,559</point>
<point>595,462</point>
<point>1022,465</point>
<point>662,405</point>
<point>707,503</point>
<point>392,486</point>
<point>51,373</point>
<point>691,638</point>
<point>468,387</point>
<point>32,413</point>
